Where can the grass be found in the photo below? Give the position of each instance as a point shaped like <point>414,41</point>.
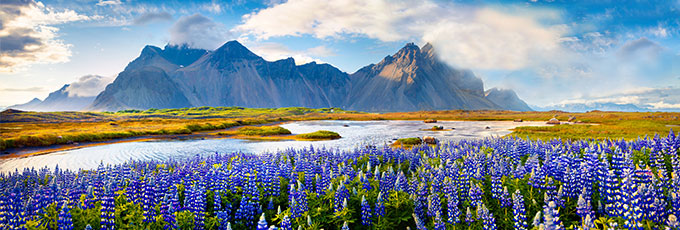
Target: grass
<point>25,129</point>
<point>262,131</point>
<point>319,135</point>
<point>407,142</point>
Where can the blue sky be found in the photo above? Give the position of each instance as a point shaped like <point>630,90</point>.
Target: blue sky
<point>549,52</point>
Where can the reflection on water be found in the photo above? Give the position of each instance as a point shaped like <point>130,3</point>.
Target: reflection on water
<point>354,134</point>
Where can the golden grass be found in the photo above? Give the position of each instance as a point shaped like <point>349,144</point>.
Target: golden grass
<point>45,129</point>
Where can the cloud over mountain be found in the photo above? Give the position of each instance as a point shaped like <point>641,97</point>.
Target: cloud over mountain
<point>198,31</point>
<point>88,86</point>
<point>474,38</point>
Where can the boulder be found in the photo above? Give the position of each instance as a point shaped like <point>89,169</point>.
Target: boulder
<point>430,140</point>
<point>553,121</point>
<point>571,118</point>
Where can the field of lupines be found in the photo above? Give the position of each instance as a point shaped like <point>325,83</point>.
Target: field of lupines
<point>502,183</point>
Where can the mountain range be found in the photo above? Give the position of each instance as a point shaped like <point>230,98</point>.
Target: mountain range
<point>175,76</point>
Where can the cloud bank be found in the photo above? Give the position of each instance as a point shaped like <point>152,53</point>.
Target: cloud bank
<point>198,31</point>
<point>28,34</point>
<point>478,38</point>
<point>88,86</point>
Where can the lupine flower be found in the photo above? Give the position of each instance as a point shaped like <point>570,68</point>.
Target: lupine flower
<point>365,212</point>
<point>344,226</point>
<point>262,224</point>
<point>468,216</point>
<point>379,206</point>
<point>583,207</point>
<point>519,213</point>
<point>65,222</point>
<point>489,223</point>
<point>285,223</point>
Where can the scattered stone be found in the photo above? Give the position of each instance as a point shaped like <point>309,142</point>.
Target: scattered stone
<point>430,140</point>
<point>553,121</point>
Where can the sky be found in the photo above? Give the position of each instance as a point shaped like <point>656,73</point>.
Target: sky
<point>550,52</point>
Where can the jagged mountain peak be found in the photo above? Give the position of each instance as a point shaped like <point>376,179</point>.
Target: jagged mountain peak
<point>234,50</point>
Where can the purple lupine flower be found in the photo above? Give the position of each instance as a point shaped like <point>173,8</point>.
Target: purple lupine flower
<point>551,217</point>
<point>108,208</point>
<point>262,224</point>
<point>366,213</point>
<point>583,207</point>
<point>518,211</point>
<point>452,208</point>
<point>344,226</point>
<point>65,222</point>
<point>379,206</point>
<point>488,222</point>
<point>468,216</point>
<point>438,223</point>
<point>420,201</point>
<point>285,223</point>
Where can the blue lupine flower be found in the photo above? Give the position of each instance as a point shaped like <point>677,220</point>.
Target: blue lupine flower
<point>379,206</point>
<point>262,224</point>
<point>365,212</point>
<point>65,222</point>
<point>583,207</point>
<point>519,213</point>
<point>285,223</point>
<point>344,226</point>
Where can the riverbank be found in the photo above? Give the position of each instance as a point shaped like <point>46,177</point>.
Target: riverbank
<point>19,130</point>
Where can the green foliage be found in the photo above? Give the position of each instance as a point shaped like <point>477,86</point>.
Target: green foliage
<point>262,131</point>
<point>410,141</point>
<point>320,135</point>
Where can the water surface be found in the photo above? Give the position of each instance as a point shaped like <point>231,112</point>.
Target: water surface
<point>354,134</point>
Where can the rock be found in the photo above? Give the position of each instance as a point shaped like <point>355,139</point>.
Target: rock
<point>430,121</point>
<point>430,140</point>
<point>519,120</point>
<point>553,121</point>
<point>345,125</point>
<point>571,118</point>
<point>487,127</point>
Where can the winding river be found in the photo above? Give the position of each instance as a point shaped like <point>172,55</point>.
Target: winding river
<point>354,134</point>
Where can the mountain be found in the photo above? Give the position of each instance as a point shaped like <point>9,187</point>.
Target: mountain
<point>602,106</point>
<point>506,99</point>
<point>413,79</point>
<point>26,106</point>
<point>145,82</point>
<point>234,76</point>
<point>75,96</point>
<point>59,100</point>
<point>179,76</point>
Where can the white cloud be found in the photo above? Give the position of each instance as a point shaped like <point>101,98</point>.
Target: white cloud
<point>664,105</point>
<point>198,31</point>
<point>29,35</point>
<point>213,8</point>
<point>277,51</point>
<point>109,2</point>
<point>88,86</point>
<point>468,37</point>
<point>151,17</point>
<point>659,31</point>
